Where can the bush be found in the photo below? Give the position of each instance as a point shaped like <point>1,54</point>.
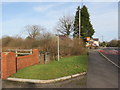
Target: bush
<point>113,43</point>
<point>103,44</point>
<point>48,43</point>
<point>70,47</point>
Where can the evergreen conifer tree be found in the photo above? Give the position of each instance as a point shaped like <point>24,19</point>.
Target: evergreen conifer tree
<point>86,26</point>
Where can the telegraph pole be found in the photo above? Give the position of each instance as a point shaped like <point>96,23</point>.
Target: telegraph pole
<point>80,18</point>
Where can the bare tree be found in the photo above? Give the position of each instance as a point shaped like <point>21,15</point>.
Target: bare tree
<point>65,25</point>
<point>33,30</point>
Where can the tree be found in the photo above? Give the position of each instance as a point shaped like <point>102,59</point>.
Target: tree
<point>103,44</point>
<point>86,26</point>
<point>113,43</point>
<point>118,45</point>
<point>33,31</point>
<point>65,25</point>
<point>6,40</point>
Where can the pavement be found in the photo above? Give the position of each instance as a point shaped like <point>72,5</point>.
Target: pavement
<point>101,72</point>
<point>78,82</point>
<point>47,81</point>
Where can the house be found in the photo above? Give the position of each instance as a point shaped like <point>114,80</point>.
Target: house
<point>92,42</point>
<point>96,42</point>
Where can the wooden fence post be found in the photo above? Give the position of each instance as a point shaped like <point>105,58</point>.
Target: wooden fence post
<point>16,52</point>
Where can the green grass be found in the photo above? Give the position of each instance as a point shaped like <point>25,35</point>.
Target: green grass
<point>55,69</point>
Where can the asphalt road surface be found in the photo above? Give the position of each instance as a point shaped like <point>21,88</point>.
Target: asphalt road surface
<point>112,57</point>
<point>101,73</point>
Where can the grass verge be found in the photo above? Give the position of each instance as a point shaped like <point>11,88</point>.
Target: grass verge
<point>55,69</point>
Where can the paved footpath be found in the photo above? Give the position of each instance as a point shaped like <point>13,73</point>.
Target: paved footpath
<point>101,73</point>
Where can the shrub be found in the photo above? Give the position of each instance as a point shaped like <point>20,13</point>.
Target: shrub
<point>48,43</point>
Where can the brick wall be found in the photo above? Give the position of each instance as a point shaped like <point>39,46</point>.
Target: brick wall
<point>25,61</point>
<point>8,64</point>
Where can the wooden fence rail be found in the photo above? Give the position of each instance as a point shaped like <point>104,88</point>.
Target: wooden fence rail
<point>21,51</point>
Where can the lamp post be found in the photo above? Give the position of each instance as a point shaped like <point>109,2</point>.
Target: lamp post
<point>79,22</point>
<point>58,45</point>
<point>58,49</point>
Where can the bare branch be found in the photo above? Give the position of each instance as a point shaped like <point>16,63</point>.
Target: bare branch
<point>33,31</point>
<point>65,25</point>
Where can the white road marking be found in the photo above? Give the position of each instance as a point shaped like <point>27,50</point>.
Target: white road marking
<point>109,60</point>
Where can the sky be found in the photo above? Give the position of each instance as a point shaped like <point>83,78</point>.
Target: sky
<point>118,20</point>
<point>16,15</point>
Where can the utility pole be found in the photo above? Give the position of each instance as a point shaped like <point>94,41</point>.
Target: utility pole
<point>80,18</point>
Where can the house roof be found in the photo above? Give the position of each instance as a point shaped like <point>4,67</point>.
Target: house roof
<point>95,39</point>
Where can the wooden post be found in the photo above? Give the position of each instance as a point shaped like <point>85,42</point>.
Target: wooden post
<point>31,51</point>
<point>16,52</point>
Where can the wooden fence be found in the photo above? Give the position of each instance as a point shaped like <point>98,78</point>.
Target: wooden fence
<point>21,52</point>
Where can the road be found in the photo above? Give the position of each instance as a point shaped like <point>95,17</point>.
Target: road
<point>101,73</point>
<point>109,52</point>
<point>114,58</point>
